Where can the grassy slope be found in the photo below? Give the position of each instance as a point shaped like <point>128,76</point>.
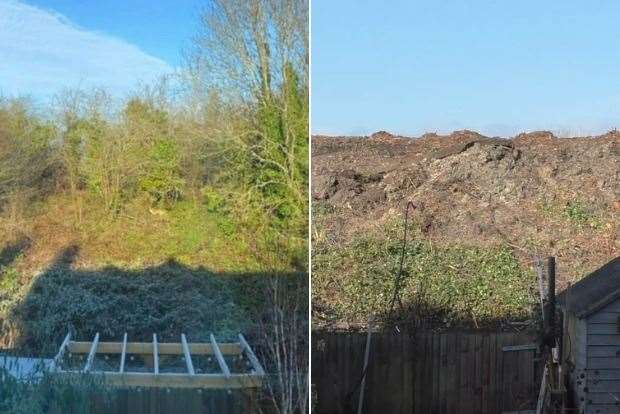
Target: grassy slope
<point>447,284</point>
<point>190,269</point>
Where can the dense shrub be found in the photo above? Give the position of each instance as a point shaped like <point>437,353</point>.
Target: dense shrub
<point>445,284</point>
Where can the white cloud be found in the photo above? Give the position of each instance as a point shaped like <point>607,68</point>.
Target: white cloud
<point>42,52</point>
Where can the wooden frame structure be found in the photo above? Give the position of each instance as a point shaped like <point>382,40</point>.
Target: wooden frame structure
<point>190,379</point>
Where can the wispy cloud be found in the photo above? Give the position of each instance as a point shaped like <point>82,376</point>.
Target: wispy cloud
<point>42,52</point>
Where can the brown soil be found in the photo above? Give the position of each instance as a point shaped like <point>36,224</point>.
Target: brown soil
<point>539,194</point>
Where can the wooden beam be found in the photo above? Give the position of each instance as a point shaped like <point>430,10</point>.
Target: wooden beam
<point>542,392</point>
<point>91,354</point>
<point>526,347</point>
<point>258,368</point>
<point>123,353</point>
<point>62,350</point>
<point>155,355</point>
<point>220,357</point>
<point>188,356</point>
<point>175,380</point>
<point>146,348</point>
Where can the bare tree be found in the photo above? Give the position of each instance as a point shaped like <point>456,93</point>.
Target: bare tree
<point>284,333</point>
<point>244,46</point>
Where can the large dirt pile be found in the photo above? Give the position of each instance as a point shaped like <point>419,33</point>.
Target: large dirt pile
<point>537,193</point>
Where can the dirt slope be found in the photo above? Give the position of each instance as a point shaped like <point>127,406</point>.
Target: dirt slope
<point>535,192</point>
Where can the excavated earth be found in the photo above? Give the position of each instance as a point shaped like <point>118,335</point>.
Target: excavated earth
<point>537,193</point>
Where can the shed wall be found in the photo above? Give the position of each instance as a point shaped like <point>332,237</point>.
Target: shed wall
<point>575,350</point>
<point>603,360</point>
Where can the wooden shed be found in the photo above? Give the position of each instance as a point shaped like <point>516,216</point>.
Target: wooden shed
<point>591,340</point>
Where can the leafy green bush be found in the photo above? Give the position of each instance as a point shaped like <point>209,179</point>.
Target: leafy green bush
<point>9,277</point>
<point>162,180</point>
<point>450,284</point>
<point>45,392</point>
<point>169,299</point>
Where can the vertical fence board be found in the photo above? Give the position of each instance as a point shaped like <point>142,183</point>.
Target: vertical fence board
<point>491,382</point>
<point>484,374</point>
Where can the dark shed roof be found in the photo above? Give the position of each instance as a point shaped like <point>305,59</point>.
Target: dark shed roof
<point>594,291</point>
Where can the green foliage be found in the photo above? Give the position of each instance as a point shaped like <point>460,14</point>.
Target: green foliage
<point>579,213</point>
<point>9,278</point>
<point>449,284</point>
<point>214,200</point>
<point>26,157</point>
<point>282,149</point>
<point>162,179</point>
<point>167,299</point>
<point>50,393</point>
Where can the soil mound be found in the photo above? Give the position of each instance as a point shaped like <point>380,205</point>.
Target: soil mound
<point>539,194</point>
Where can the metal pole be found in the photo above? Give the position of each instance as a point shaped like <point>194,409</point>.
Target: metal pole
<point>360,403</point>
<point>551,297</point>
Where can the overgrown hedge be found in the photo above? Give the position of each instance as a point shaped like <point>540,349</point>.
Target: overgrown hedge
<point>447,284</point>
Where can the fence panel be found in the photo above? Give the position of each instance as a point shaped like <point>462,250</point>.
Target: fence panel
<point>425,373</point>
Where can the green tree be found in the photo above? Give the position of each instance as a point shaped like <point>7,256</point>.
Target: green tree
<point>160,169</point>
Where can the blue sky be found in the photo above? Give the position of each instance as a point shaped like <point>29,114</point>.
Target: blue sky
<point>47,45</point>
<point>499,67</point>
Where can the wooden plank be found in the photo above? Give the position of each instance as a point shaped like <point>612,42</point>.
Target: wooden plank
<point>602,409</point>
<point>333,359</point>
<point>604,363</point>
<point>393,369</point>
<point>612,386</point>
<point>604,398</point>
<point>91,354</point>
<point>435,402</point>
<point>506,375</point>
<point>346,364</point>
<point>476,377</point>
<point>485,374</point>
<point>526,379</point>
<point>465,389</point>
<point>155,355</point>
<point>443,371</point>
<point>612,307</point>
<point>492,386</point>
<point>603,374</point>
<point>542,393</point>
<point>428,366</point>
<point>594,340</point>
<point>419,354</point>
<point>398,367</point>
<point>62,350</point>
<point>376,387</point>
<point>603,329</point>
<point>604,351</point>
<point>123,353</point>
<point>407,373</point>
<point>526,347</point>
<point>604,317</point>
<point>219,357</point>
<point>452,373</point>
<point>175,380</point>
<point>188,356</point>
<point>258,368</point>
<point>146,348</point>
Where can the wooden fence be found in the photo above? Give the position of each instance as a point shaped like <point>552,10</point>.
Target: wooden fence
<point>164,401</point>
<point>449,372</point>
